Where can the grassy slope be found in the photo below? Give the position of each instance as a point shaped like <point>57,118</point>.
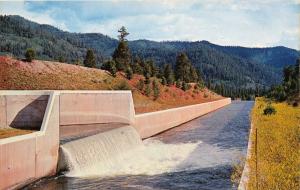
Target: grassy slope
<point>19,75</point>
<point>278,147</point>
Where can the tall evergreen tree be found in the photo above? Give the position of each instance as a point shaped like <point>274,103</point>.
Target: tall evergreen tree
<point>156,90</point>
<point>129,73</point>
<point>90,60</point>
<point>136,66</point>
<point>122,55</point>
<point>168,74</point>
<point>184,69</point>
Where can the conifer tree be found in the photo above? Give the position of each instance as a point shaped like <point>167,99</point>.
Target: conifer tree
<point>129,73</point>
<point>140,84</point>
<point>136,66</point>
<point>168,74</point>
<point>122,55</point>
<point>184,69</point>
<point>90,60</point>
<point>156,90</point>
<point>147,90</point>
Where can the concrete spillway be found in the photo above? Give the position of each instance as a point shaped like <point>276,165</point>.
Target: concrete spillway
<point>121,152</point>
<point>98,153</point>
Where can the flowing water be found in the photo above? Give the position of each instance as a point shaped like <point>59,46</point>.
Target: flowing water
<point>196,155</point>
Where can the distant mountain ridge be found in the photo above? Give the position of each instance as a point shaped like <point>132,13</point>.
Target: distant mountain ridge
<point>232,66</point>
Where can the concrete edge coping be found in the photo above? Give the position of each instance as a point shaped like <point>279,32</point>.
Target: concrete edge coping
<point>178,108</point>
<point>47,92</point>
<point>45,121</point>
<point>245,173</point>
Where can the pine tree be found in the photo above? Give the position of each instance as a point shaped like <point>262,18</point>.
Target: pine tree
<point>193,74</point>
<point>156,90</point>
<point>184,69</point>
<point>152,68</point>
<point>136,66</point>
<point>122,55</point>
<point>129,73</point>
<point>147,90</point>
<point>147,78</point>
<point>168,74</point>
<point>90,60</point>
<point>140,85</point>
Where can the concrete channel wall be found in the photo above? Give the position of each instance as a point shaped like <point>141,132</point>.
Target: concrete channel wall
<point>149,124</point>
<point>88,112</point>
<point>29,157</point>
<point>246,171</point>
<point>88,107</point>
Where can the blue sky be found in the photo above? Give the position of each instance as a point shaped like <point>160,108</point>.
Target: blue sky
<point>251,23</point>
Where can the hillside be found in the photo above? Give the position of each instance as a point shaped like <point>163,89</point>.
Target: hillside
<point>234,67</point>
<point>43,75</point>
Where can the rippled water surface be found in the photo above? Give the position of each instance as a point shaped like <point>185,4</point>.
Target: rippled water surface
<point>217,139</point>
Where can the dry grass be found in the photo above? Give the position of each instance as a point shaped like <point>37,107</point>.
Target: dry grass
<point>10,132</point>
<point>278,140</point>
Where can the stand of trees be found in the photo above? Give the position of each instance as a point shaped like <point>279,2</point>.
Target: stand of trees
<point>122,60</point>
<point>289,88</point>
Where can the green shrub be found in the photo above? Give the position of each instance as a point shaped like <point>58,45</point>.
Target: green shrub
<point>185,86</point>
<point>29,55</point>
<point>269,110</point>
<point>163,81</point>
<point>178,84</point>
<point>122,86</point>
<point>111,67</point>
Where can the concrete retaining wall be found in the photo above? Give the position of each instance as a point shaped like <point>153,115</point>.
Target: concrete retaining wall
<point>86,112</point>
<point>246,170</point>
<point>149,124</point>
<point>19,111</point>
<point>89,107</point>
<point>28,157</point>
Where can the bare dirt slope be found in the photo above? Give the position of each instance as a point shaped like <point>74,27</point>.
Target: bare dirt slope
<point>48,75</point>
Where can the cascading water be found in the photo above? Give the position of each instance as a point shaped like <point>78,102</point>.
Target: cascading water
<point>120,152</point>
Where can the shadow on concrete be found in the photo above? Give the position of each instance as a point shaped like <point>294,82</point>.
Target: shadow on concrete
<point>31,116</point>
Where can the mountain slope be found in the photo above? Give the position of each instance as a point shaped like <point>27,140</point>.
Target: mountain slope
<point>232,66</point>
<point>277,57</point>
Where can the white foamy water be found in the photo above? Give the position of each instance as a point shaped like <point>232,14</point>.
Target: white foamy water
<point>120,152</point>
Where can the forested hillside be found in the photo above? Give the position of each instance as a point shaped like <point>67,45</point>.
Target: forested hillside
<point>221,67</point>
